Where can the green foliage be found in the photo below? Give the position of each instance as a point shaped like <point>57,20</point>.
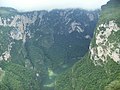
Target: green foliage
<point>4,39</point>
<point>18,50</point>
<point>111,11</point>
<point>114,37</point>
<point>86,76</point>
<point>114,85</point>
<point>64,81</point>
<point>3,86</point>
<point>18,77</point>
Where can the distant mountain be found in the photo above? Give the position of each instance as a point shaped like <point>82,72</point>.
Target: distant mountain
<point>7,11</point>
<point>35,47</point>
<point>100,68</point>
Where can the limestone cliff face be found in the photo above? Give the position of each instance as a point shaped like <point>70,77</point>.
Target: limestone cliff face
<point>106,43</point>
<point>18,22</point>
<point>105,46</point>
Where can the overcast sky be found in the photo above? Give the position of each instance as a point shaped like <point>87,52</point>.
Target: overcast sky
<point>29,5</point>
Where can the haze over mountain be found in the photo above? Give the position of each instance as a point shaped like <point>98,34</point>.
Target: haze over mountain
<point>30,5</point>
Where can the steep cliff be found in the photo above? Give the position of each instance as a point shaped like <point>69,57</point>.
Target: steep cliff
<point>100,68</point>
<point>37,46</point>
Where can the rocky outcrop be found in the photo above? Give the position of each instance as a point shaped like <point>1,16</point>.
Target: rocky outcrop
<point>20,23</point>
<point>104,47</point>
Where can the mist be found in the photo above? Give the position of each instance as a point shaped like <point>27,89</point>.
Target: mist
<point>30,5</point>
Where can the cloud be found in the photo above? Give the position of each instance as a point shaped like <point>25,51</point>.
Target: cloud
<point>29,5</point>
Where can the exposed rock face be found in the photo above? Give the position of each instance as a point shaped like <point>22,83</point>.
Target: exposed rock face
<point>104,46</point>
<point>19,22</point>
<point>106,43</point>
<point>75,27</point>
<point>65,24</point>
<point>46,42</point>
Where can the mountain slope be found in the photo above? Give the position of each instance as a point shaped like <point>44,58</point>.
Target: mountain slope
<point>99,69</point>
<point>41,44</point>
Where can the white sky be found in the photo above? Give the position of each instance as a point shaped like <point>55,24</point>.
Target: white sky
<point>29,5</point>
